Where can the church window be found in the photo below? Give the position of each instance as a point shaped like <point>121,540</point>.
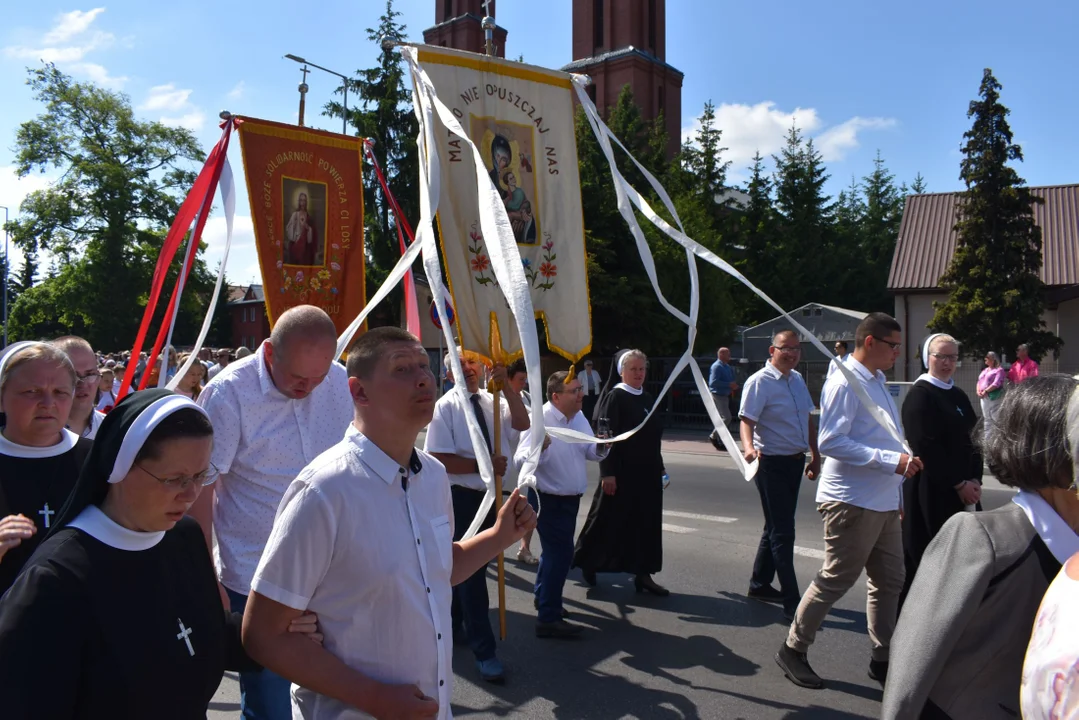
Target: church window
<point>597,24</point>
<point>447,9</point>
<point>652,25</point>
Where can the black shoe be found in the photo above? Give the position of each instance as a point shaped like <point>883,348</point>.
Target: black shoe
<point>589,577</point>
<point>878,670</point>
<point>795,666</point>
<point>645,583</point>
<point>559,629</point>
<point>766,593</point>
<point>714,437</point>
<point>565,612</point>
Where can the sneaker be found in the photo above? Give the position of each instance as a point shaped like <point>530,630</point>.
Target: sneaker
<point>491,670</point>
<point>795,666</point>
<point>878,670</point>
<point>525,556</point>
<point>559,629</point>
<point>766,593</point>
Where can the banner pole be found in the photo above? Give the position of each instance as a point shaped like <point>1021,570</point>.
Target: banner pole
<point>497,444</point>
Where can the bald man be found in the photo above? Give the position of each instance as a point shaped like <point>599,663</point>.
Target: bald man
<point>273,413</point>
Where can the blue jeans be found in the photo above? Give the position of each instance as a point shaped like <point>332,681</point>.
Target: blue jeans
<point>471,605</point>
<point>263,695</point>
<point>557,521</point>
<point>778,479</point>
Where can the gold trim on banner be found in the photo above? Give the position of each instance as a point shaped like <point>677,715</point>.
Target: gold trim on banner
<point>318,137</point>
<point>495,66</point>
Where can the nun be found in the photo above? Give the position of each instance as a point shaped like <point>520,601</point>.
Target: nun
<point>623,532</point>
<point>117,614</point>
<point>939,421</point>
<point>40,459</point>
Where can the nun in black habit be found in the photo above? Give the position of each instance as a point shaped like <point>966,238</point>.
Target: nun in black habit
<point>40,458</point>
<point>117,614</point>
<point>623,532</point>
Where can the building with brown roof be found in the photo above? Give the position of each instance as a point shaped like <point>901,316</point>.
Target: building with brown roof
<point>924,250</point>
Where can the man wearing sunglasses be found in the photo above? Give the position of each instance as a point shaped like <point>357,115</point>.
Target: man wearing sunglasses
<point>859,500</point>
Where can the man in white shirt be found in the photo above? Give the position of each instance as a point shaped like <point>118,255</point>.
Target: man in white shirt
<point>363,539</point>
<point>859,499</point>
<point>591,384</point>
<point>273,414</point>
<point>448,440</point>
<point>777,428</point>
<point>561,479</point>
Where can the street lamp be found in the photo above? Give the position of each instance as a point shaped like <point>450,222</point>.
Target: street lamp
<point>344,85</point>
<point>7,268</point>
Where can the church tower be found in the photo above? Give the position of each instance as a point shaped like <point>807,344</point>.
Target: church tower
<point>457,26</point>
<point>617,42</point>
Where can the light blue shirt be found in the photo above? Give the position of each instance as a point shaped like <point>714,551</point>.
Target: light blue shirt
<point>720,377</point>
<point>860,456</point>
<point>779,406</point>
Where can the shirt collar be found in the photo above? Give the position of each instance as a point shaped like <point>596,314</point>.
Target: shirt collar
<point>862,370</point>
<point>95,523</point>
<point>772,371</point>
<point>937,382</point>
<point>555,413</point>
<point>1054,532</point>
<point>377,460</point>
<point>265,379</point>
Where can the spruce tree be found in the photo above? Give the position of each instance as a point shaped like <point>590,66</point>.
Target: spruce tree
<point>878,232</point>
<point>996,296</point>
<point>757,233</point>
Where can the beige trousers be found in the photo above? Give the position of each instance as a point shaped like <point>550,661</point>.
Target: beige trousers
<point>855,538</point>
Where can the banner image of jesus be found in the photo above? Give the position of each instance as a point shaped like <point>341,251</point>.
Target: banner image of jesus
<point>305,214</point>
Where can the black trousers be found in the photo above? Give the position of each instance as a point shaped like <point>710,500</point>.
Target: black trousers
<point>778,480</point>
<point>471,605</point>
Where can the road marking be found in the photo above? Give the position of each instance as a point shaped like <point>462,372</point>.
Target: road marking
<point>681,530</point>
<point>809,552</point>
<point>697,516</point>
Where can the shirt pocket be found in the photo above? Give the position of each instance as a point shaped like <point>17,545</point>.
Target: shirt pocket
<point>443,535</point>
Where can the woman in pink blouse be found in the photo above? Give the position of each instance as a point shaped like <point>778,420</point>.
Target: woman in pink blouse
<point>991,388</point>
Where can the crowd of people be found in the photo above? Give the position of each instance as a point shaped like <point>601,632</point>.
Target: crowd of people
<point>273,515</point>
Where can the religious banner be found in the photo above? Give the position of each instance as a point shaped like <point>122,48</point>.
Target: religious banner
<point>521,119</point>
<point>306,193</point>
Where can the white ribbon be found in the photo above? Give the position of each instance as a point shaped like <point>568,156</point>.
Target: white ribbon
<point>227,185</point>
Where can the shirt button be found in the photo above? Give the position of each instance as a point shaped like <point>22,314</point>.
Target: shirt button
<point>441,683</point>
<point>428,590</point>
<point>417,541</point>
<point>440,636</point>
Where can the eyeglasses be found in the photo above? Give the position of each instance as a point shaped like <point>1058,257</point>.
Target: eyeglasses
<point>576,391</point>
<point>204,478</point>
<point>892,345</point>
<point>942,356</point>
<point>789,349</point>
<point>88,379</point>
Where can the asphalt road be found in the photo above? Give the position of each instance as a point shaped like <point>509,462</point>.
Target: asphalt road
<point>704,652</point>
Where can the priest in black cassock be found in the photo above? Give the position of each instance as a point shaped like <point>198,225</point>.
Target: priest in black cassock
<point>939,422</point>
<point>39,458</point>
<point>117,614</point>
<point>623,532</point>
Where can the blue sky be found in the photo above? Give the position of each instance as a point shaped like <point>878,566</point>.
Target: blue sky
<point>857,75</point>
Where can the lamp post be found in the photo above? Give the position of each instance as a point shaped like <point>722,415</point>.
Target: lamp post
<point>344,86</point>
<point>7,270</point>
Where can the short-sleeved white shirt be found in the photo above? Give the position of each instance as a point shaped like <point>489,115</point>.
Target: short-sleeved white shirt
<point>448,431</point>
<point>373,561</point>
<point>262,440</point>
<point>779,405</point>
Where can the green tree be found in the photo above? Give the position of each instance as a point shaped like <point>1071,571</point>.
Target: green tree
<point>385,115</point>
<point>878,232</point>
<point>805,260</point>
<point>103,222</point>
<point>758,234</point>
<point>996,296</point>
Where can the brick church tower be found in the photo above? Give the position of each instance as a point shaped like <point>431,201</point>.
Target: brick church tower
<point>457,25</point>
<point>617,42</point>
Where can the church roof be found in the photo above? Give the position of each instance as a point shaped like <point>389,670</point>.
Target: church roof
<point>584,63</point>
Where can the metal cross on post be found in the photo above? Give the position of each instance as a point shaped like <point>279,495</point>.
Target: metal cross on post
<point>488,25</point>
<point>185,635</point>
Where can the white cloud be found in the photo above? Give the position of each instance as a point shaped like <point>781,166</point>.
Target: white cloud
<point>194,120</point>
<point>13,190</point>
<point>98,75</point>
<point>748,129</point>
<point>237,92</point>
<point>166,97</point>
<point>834,142</point>
<point>243,264</point>
<point>68,25</point>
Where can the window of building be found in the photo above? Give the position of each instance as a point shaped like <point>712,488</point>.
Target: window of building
<point>592,93</point>
<point>597,25</point>
<point>652,25</point>
<point>447,9</point>
<point>662,104</point>
<point>806,312</point>
<point>818,312</point>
